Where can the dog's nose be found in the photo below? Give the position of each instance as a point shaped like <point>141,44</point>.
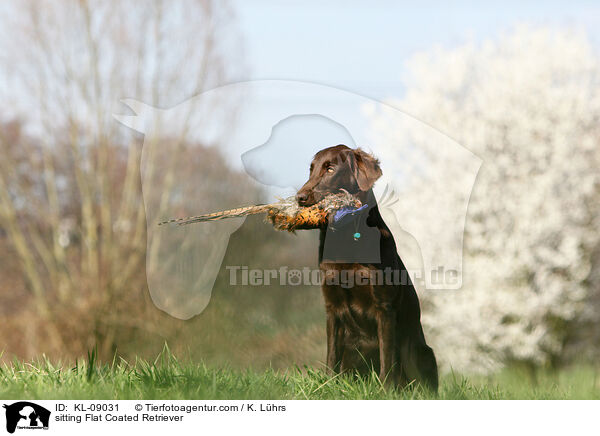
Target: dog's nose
<point>301,198</point>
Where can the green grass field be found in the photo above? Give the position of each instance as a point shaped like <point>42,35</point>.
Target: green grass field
<point>169,378</point>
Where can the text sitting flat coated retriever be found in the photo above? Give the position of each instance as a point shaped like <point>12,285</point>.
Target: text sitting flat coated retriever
<point>372,324</point>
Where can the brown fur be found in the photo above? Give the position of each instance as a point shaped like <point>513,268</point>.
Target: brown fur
<point>370,325</point>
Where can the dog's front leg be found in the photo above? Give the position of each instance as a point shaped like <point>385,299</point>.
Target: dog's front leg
<point>386,333</point>
<point>334,342</point>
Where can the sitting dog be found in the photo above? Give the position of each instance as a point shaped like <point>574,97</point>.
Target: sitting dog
<point>372,322</point>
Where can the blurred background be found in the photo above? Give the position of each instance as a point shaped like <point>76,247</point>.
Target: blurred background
<point>516,84</point>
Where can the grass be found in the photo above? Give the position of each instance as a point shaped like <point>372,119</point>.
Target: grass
<point>169,378</point>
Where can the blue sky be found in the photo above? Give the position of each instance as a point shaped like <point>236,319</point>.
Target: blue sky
<point>362,46</point>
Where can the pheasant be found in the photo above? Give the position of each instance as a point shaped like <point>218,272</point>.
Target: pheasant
<point>284,214</point>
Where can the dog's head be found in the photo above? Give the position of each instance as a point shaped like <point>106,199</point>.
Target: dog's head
<point>339,168</point>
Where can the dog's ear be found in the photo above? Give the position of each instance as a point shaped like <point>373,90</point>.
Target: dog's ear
<point>367,169</point>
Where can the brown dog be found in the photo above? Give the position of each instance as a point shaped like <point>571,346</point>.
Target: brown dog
<point>373,314</point>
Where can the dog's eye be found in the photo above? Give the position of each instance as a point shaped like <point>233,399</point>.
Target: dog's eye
<point>330,169</point>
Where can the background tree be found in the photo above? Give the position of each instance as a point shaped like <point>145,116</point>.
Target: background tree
<point>70,200</point>
<point>528,104</point>
<point>72,216</point>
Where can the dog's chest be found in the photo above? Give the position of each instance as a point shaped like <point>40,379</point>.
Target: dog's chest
<point>350,298</point>
<point>359,300</point>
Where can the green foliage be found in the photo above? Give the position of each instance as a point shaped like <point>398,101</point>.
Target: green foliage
<point>167,377</point>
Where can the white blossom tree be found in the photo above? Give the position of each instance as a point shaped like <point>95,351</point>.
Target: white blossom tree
<point>528,104</point>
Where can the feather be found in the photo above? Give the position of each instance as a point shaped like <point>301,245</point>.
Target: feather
<point>285,214</point>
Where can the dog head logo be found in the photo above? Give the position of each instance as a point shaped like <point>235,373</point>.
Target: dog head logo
<point>26,415</point>
<point>279,126</point>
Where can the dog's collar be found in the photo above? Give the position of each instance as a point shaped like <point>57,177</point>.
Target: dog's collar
<point>345,215</point>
